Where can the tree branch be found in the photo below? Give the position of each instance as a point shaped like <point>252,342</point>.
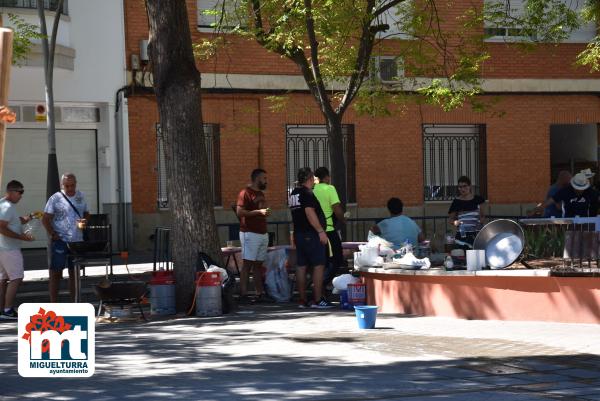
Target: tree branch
<point>386,7</point>
<point>362,61</point>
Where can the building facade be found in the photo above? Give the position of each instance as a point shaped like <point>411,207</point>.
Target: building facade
<point>91,112</point>
<point>544,119</point>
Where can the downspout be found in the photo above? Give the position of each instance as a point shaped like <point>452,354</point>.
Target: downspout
<point>122,208</point>
<point>260,149</point>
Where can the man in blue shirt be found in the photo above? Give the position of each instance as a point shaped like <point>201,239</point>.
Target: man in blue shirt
<point>398,228</point>
<point>64,219</point>
<point>562,181</point>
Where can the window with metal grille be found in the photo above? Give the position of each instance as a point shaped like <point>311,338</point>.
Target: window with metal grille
<point>451,151</point>
<point>213,150</point>
<point>308,146</point>
<point>50,5</point>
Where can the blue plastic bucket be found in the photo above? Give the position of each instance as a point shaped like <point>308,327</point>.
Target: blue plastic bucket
<point>366,315</point>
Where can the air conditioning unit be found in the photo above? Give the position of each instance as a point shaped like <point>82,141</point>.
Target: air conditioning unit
<point>386,68</point>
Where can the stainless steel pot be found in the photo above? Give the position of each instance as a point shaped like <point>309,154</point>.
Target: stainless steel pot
<point>503,241</point>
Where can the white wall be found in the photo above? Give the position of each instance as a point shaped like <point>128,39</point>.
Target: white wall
<point>95,30</point>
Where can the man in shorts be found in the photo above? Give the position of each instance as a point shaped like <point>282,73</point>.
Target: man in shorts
<point>11,258</point>
<point>61,214</point>
<point>310,238</point>
<point>252,210</point>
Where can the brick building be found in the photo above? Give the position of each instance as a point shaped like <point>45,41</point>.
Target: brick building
<point>546,120</point>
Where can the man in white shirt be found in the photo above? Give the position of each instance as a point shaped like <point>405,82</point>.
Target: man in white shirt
<point>11,258</point>
<point>61,214</point>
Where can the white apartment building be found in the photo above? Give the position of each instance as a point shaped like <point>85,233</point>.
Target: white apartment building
<point>91,112</point>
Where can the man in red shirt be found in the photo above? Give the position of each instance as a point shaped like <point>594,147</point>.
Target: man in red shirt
<point>252,211</point>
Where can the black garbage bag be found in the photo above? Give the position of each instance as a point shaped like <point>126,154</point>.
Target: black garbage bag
<point>227,286</point>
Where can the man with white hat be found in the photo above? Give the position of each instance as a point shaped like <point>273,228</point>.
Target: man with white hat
<point>578,199</point>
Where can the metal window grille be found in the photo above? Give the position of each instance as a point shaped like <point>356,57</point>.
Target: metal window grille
<point>50,5</point>
<point>213,151</point>
<point>308,146</point>
<point>450,151</point>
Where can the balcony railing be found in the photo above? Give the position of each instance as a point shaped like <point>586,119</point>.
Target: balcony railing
<point>50,5</point>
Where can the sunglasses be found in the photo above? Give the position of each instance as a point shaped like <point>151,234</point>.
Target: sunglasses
<point>20,191</point>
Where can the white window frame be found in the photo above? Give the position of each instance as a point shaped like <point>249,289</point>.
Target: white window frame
<point>391,18</point>
<point>583,35</point>
<point>205,5</point>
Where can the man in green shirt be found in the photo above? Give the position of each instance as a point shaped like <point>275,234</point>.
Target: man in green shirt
<point>330,203</point>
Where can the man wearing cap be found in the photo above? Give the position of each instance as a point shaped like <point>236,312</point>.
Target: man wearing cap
<point>578,199</point>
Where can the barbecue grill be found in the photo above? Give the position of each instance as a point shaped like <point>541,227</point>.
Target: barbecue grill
<point>121,293</point>
<point>96,250</point>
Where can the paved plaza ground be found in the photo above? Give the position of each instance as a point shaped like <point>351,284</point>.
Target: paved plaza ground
<point>277,352</point>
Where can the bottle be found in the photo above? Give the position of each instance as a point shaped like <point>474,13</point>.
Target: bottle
<point>448,263</point>
<point>28,230</point>
<point>32,227</point>
<point>449,245</point>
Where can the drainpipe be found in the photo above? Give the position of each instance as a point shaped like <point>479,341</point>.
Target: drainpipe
<point>122,188</point>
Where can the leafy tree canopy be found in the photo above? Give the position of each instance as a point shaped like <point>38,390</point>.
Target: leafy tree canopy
<point>24,34</point>
<point>333,41</point>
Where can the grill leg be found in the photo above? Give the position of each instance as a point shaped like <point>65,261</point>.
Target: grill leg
<point>142,312</point>
<point>100,305</point>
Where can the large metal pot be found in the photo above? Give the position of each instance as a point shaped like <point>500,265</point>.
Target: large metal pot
<point>503,241</point>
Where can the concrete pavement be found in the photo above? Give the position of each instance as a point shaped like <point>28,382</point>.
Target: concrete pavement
<point>277,352</point>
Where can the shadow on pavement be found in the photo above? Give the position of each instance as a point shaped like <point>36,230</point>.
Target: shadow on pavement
<point>281,354</point>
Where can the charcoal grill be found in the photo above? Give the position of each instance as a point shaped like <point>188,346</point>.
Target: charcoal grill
<point>89,253</point>
<point>121,293</point>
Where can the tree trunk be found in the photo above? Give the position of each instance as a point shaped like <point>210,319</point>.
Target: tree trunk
<point>336,156</point>
<point>177,87</point>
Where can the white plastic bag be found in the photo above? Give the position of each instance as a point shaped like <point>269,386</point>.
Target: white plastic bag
<point>277,281</point>
<point>368,256</point>
<point>384,247</point>
<point>223,272</point>
<point>341,282</point>
<point>373,239</point>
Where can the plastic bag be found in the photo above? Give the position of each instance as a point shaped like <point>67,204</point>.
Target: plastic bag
<point>384,247</point>
<point>374,239</point>
<point>277,282</point>
<point>341,282</point>
<point>224,275</point>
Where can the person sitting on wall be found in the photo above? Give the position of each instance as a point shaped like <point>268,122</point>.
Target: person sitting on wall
<point>578,199</point>
<point>398,228</point>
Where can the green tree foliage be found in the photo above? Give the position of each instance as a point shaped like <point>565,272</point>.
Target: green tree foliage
<point>591,55</point>
<point>336,38</point>
<point>23,36</point>
<point>440,47</point>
